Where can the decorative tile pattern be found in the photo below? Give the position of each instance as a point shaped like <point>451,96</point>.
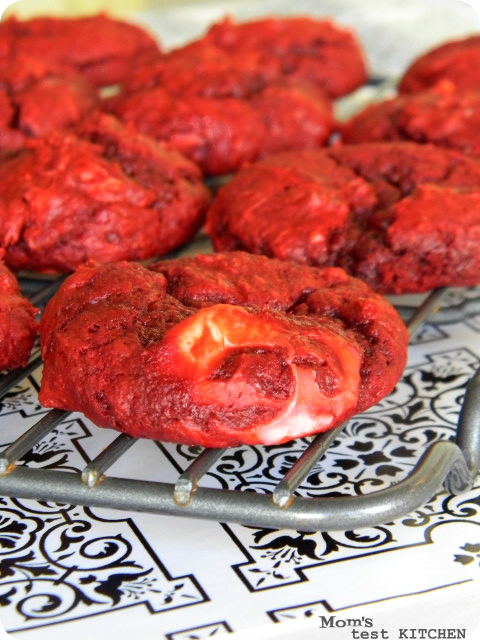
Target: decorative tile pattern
<point>60,563</point>
<point>201,633</point>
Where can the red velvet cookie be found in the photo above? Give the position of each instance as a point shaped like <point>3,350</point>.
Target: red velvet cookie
<point>245,90</point>
<point>320,51</point>
<point>239,58</point>
<point>105,193</point>
<point>457,61</point>
<point>103,49</point>
<point>403,217</point>
<point>38,98</point>
<point>18,323</point>
<point>218,350</point>
<point>222,134</point>
<point>443,117</point>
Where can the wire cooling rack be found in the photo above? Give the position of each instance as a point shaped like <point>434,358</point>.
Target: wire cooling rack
<point>451,464</point>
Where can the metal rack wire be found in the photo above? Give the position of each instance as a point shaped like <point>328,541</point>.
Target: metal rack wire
<point>451,464</point>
